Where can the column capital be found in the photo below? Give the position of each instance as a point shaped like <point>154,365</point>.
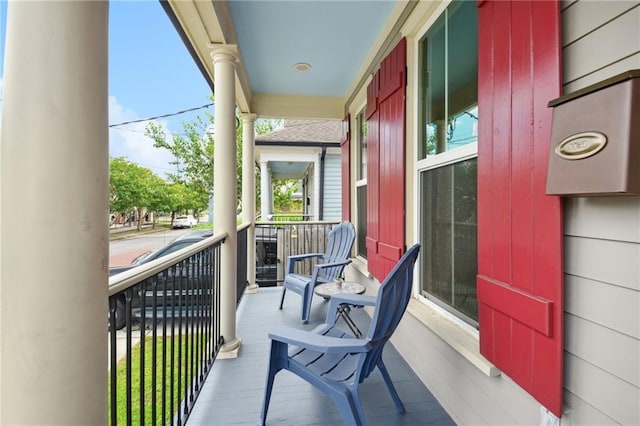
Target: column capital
<point>224,53</point>
<point>248,117</point>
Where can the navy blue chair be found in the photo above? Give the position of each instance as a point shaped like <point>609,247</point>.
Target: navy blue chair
<point>333,360</point>
<point>330,265</point>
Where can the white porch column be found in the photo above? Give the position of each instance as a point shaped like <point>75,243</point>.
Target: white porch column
<point>266,192</point>
<point>224,182</point>
<point>54,245</point>
<point>249,195</point>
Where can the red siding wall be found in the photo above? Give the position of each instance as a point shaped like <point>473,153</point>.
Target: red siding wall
<point>520,287</point>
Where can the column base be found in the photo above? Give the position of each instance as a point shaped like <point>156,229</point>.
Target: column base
<point>252,288</point>
<point>230,349</point>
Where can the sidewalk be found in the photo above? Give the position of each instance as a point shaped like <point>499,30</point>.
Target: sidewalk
<point>124,259</point>
<point>116,229</point>
<point>126,231</point>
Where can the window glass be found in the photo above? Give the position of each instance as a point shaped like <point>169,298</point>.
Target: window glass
<point>449,235</point>
<point>362,146</point>
<point>361,186</point>
<point>361,225</point>
<point>448,81</point>
<point>448,135</point>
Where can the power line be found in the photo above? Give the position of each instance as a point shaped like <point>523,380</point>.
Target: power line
<point>161,116</point>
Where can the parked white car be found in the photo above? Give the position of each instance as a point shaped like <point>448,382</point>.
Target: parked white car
<point>184,221</point>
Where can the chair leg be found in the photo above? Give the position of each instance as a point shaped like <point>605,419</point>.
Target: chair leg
<point>358,406</point>
<point>350,409</point>
<point>274,368</point>
<point>284,290</point>
<point>307,296</point>
<point>392,389</point>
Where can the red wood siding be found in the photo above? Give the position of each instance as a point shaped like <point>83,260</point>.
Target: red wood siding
<point>520,287</point>
<point>386,179</point>
<point>345,150</point>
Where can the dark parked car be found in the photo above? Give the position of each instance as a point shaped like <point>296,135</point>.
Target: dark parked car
<point>266,271</point>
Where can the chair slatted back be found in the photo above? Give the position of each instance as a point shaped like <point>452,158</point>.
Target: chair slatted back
<point>392,300</point>
<point>339,244</point>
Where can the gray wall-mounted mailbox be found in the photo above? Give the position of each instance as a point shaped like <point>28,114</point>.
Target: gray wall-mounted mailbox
<point>595,139</point>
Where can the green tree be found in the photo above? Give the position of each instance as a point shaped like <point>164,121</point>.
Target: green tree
<point>127,182</point>
<point>283,194</point>
<point>183,198</point>
<point>157,197</point>
<point>135,187</point>
<point>193,152</point>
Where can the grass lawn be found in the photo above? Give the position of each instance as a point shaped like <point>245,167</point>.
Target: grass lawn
<point>168,390</point>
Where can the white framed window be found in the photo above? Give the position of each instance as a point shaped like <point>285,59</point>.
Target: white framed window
<point>447,165</point>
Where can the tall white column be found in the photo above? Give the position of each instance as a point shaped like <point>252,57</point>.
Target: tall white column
<point>249,195</point>
<point>224,183</point>
<point>54,245</point>
<point>265,192</point>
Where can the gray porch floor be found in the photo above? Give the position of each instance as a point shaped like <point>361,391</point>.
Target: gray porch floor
<point>233,392</point>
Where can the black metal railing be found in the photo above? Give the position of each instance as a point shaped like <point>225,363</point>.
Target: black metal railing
<point>170,312</point>
<point>241,263</point>
<point>291,238</point>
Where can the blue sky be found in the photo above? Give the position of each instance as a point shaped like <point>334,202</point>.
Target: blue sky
<point>151,73</point>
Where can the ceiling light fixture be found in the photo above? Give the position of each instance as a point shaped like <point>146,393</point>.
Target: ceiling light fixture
<point>301,66</point>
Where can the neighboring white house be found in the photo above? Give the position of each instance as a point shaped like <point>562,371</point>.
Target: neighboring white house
<point>308,151</point>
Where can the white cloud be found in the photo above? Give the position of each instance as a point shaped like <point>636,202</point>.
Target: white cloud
<point>131,142</point>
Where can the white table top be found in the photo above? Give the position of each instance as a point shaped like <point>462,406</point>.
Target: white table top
<point>329,289</point>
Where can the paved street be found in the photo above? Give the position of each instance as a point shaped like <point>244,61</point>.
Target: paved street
<point>123,251</point>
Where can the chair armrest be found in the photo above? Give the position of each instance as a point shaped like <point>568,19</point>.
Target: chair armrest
<point>318,342</point>
<point>353,299</point>
<point>349,299</point>
<point>298,257</point>
<point>320,266</point>
<point>332,264</point>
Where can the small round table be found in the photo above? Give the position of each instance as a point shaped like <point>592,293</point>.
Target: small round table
<point>329,289</point>
<point>342,287</point>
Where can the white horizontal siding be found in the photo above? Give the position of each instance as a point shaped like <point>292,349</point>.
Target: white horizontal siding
<point>583,18</point>
<point>602,239</point>
<point>626,64</point>
<point>583,413</point>
<point>616,353</point>
<point>332,187</point>
<point>610,306</point>
<point>616,398</point>
<point>610,218</point>
<point>616,40</point>
<point>613,262</point>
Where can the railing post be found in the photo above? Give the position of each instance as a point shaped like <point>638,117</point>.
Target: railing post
<point>225,197</point>
<point>249,196</point>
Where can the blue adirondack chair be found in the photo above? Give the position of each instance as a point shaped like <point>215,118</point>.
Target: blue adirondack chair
<point>334,361</point>
<point>329,267</point>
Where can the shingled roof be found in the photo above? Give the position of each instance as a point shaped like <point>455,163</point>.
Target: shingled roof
<point>318,131</point>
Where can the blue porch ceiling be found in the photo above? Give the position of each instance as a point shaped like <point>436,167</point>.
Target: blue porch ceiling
<point>342,41</point>
<point>332,36</point>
